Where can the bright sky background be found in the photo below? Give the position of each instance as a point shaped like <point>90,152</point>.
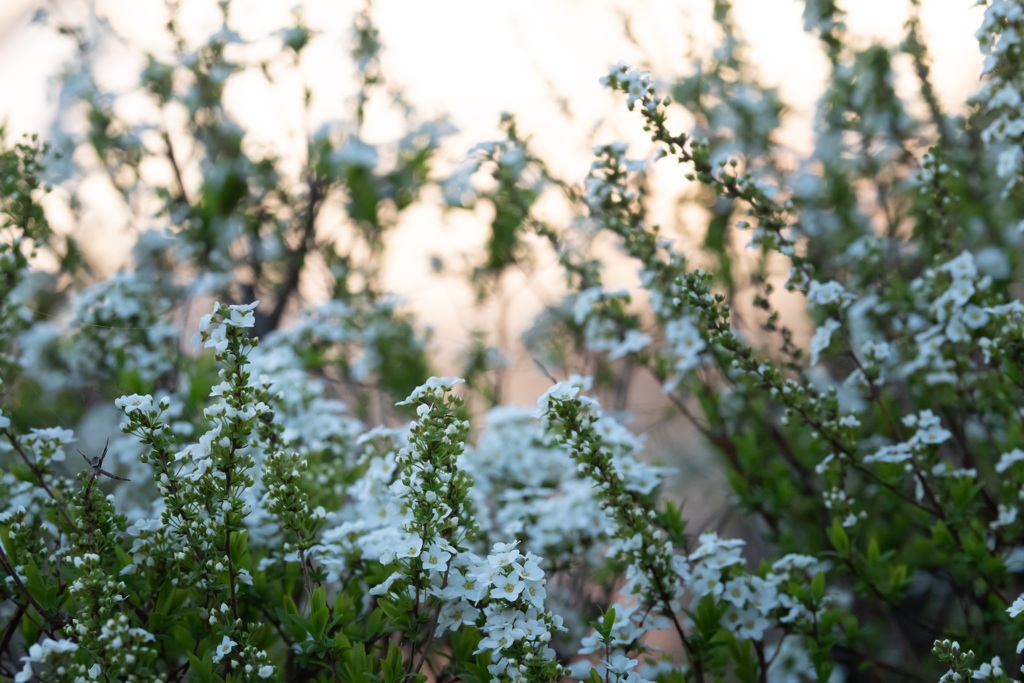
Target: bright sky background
<point>473,59</point>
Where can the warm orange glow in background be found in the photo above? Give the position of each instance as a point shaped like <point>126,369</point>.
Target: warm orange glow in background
<point>472,60</point>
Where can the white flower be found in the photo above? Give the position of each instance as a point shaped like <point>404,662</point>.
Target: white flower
<point>1017,607</point>
<point>216,339</point>
<point>134,403</point>
<point>974,317</point>
<point>534,592</point>
<point>244,576</point>
<point>750,625</point>
<point>224,649</point>
<point>436,556</point>
<point>561,391</point>
<point>633,341</point>
<point>962,267</point>
<point>621,665</point>
<point>530,569</point>
<point>959,293</point>
<point>737,591</point>
<point>989,670</point>
<point>383,588</point>
<point>506,586</point>
<point>202,466</point>
<point>564,391</point>
<point>707,580</point>
<point>58,436</point>
<point>503,554</point>
<point>822,338</point>
<point>684,341</point>
<point>824,293</point>
<point>1009,162</point>
<point>929,428</point>
<point>1006,460</point>
<point>240,315</point>
<point>585,301</point>
<point>455,614</point>
<point>410,545</point>
<point>26,674</point>
<point>635,83</point>
<point>463,586</point>
<point>433,384</point>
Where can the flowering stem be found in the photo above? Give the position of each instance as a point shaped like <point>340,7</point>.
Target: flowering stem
<point>41,479</point>
<point>55,620</point>
<point>628,510</point>
<point>227,533</point>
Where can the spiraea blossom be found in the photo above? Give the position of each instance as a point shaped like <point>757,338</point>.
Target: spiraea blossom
<point>786,444</point>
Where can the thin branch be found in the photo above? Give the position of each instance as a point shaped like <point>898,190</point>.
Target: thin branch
<point>40,478</point>
<point>296,260</point>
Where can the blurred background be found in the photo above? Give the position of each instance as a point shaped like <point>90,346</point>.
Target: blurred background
<point>465,61</point>
<point>470,61</point>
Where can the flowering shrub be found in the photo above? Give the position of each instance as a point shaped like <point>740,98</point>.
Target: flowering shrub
<point>294,497</point>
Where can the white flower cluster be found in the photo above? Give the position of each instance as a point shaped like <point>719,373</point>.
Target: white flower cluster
<point>431,528</point>
<point>684,343</point>
<point>525,485</point>
<point>634,82</point>
<point>119,324</point>
<point>47,444</point>
<point>352,333</point>
<point>213,327</point>
<point>928,432</point>
<point>509,160</point>
<point>955,296</point>
<point>421,551</point>
<point>42,652</point>
<point>602,332</point>
<point>504,593</point>
<point>660,581</point>
<point>1000,39</point>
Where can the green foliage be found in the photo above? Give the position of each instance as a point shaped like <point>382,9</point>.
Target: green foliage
<point>250,528</point>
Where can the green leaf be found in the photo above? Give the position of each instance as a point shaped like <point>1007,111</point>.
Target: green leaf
<point>202,664</point>
<point>318,623</point>
<point>941,535</point>
<point>604,627</point>
<point>343,608</point>
<point>873,553</point>
<point>166,610</point>
<point>44,592</point>
<point>318,599</point>
<point>818,587</point>
<point>393,666</point>
<point>897,579</point>
<point>671,520</point>
<point>289,605</point>
<point>357,665</point>
<point>464,642</point>
<point>374,626</point>
<point>745,665</point>
<point>30,629</point>
<point>396,610</point>
<point>240,548</point>
<point>840,540</point>
<point>708,616</point>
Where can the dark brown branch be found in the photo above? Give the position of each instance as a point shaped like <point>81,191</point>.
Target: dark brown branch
<point>296,261</point>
